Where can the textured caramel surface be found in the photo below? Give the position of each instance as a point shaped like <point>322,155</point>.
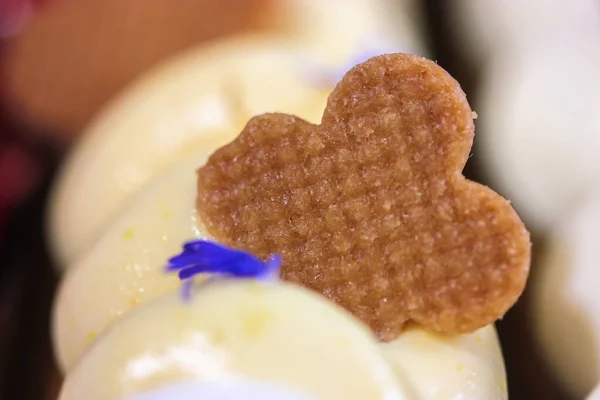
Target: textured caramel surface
<point>76,54</point>
<point>370,208</point>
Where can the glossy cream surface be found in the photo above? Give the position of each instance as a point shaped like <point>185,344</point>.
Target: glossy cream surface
<point>125,266</point>
<point>238,330</point>
<point>271,332</point>
<point>566,300</point>
<point>232,390</point>
<point>438,367</point>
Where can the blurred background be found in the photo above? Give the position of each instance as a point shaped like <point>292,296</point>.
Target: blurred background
<point>530,71</point>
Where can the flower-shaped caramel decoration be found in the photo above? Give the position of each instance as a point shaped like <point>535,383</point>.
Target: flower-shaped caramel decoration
<point>370,207</point>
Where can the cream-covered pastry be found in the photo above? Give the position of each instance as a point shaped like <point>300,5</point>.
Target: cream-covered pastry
<point>438,367</point>
<point>239,389</point>
<point>125,269</point>
<point>203,98</point>
<point>566,300</point>
<point>268,331</point>
<point>119,328</point>
<point>280,333</point>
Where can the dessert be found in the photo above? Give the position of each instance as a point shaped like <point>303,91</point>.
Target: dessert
<point>238,329</point>
<point>566,301</point>
<point>234,329</point>
<point>246,389</point>
<point>114,306</point>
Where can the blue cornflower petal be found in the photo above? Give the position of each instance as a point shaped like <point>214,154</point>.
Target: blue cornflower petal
<point>272,267</point>
<point>203,253</point>
<point>186,289</point>
<point>191,271</point>
<point>205,257</point>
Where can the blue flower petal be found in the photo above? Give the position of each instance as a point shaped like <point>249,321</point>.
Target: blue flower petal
<point>191,272</point>
<point>186,289</point>
<point>205,257</point>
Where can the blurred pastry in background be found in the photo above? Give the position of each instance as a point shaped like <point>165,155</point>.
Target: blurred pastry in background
<point>74,55</point>
<point>595,395</point>
<point>485,27</point>
<point>538,133</point>
<point>14,15</point>
<point>240,389</point>
<point>566,299</point>
<point>540,130</point>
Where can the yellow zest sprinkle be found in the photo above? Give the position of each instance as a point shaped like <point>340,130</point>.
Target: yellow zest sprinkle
<point>134,301</point>
<point>167,214</point>
<point>255,323</point>
<point>91,335</point>
<point>460,367</point>
<point>218,337</point>
<point>128,234</point>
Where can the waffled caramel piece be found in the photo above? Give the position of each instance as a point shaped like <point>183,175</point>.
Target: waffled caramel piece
<point>370,208</point>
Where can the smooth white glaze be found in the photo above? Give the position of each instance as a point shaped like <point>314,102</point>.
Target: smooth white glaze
<point>438,367</point>
<point>236,389</point>
<point>273,332</point>
<point>125,266</point>
<point>566,300</point>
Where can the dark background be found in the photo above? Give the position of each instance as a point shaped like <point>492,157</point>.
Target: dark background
<point>28,281</point>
